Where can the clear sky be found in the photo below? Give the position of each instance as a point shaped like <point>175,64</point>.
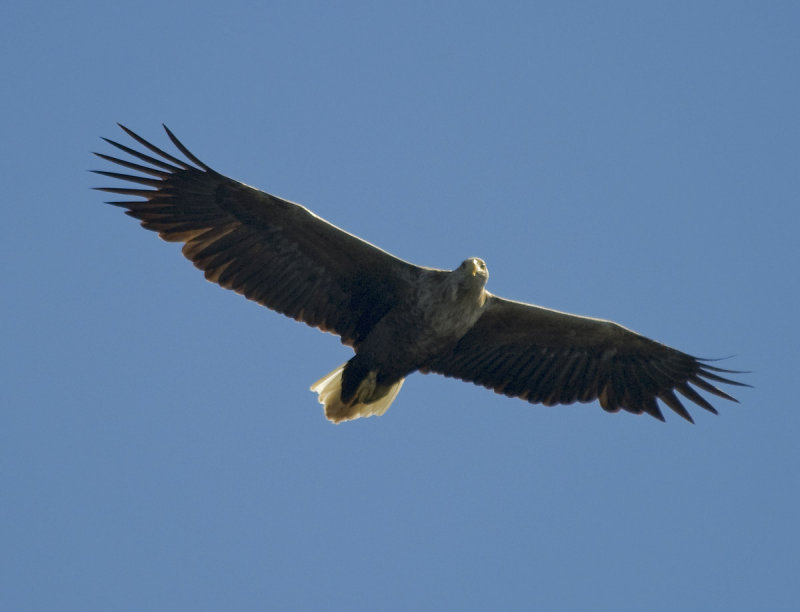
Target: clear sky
<point>637,161</point>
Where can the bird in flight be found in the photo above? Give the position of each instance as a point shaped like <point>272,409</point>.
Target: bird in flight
<point>398,317</point>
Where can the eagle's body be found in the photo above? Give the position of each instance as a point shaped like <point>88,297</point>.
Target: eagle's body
<point>398,317</point>
<point>439,309</point>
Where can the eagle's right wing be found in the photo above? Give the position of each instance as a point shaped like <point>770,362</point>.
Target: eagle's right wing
<point>270,250</point>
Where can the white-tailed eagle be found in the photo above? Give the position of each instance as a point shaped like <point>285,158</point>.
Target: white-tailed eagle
<point>397,317</point>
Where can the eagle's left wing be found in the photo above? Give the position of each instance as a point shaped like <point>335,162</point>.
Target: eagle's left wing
<point>550,357</point>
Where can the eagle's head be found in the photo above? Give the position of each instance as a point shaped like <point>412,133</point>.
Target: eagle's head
<point>475,267</point>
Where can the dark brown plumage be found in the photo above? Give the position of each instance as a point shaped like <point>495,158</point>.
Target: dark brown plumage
<point>398,317</point>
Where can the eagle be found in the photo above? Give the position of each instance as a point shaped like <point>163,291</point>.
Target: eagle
<point>398,317</point>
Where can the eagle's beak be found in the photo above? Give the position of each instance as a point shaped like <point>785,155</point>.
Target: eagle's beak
<point>474,268</point>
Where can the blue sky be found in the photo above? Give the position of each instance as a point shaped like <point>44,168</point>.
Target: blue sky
<point>636,161</point>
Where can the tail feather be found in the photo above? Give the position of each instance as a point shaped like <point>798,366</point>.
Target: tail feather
<point>329,392</point>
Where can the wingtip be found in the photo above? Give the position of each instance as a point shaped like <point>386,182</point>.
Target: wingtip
<point>704,361</point>
<point>126,129</point>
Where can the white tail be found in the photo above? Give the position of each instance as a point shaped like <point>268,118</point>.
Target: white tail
<point>329,391</point>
